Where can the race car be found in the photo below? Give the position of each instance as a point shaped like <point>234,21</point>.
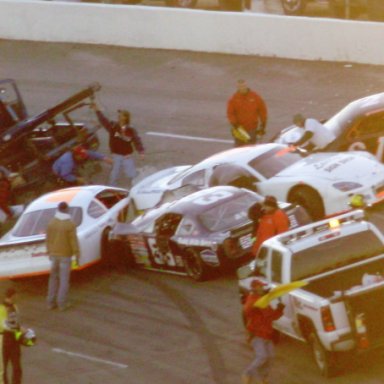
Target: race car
<point>322,183</point>
<point>358,126</point>
<point>95,210</point>
<point>197,234</point>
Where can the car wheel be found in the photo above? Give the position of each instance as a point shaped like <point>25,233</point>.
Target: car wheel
<point>325,360</point>
<point>293,7</point>
<point>310,200</point>
<point>106,247</point>
<point>194,266</point>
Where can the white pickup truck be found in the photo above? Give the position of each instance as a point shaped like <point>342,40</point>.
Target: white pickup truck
<point>340,309</point>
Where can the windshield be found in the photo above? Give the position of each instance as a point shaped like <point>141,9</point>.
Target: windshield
<point>274,161</point>
<point>333,254</point>
<point>35,223</point>
<point>228,215</point>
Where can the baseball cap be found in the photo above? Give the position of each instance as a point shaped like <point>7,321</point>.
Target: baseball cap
<point>80,152</point>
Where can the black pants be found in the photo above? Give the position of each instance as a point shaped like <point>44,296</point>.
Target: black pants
<point>12,355</point>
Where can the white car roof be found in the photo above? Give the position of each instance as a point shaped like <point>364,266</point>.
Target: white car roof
<point>74,196</point>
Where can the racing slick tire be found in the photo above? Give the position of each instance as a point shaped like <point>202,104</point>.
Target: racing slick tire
<point>310,200</point>
<point>326,361</point>
<point>293,7</point>
<point>106,248</point>
<point>194,266</point>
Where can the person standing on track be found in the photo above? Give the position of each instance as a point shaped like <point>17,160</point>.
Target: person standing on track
<point>246,111</point>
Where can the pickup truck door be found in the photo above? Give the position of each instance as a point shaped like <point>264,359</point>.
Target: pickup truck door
<point>287,323</point>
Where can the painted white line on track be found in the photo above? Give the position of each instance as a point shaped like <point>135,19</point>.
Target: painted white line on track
<point>185,137</point>
<point>90,358</point>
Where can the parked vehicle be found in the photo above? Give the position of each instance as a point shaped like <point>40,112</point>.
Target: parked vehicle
<point>30,144</point>
<point>357,126</point>
<point>339,310</point>
<point>340,8</point>
<point>205,231</point>
<point>322,182</point>
<point>225,5</point>
<point>95,210</point>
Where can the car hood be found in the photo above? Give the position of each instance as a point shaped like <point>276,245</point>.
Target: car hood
<point>352,166</point>
<point>288,135</point>
<point>158,181</point>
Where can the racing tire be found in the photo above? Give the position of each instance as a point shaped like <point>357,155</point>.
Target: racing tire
<point>106,249</point>
<point>325,360</point>
<point>293,7</point>
<point>310,200</point>
<point>194,266</point>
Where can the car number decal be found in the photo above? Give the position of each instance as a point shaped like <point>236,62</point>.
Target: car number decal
<point>161,258</point>
<point>212,198</point>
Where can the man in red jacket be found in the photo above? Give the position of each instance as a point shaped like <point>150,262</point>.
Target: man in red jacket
<point>272,222</point>
<point>246,110</point>
<point>259,323</point>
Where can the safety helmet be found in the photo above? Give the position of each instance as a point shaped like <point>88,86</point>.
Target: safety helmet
<point>357,201</point>
<point>27,338</point>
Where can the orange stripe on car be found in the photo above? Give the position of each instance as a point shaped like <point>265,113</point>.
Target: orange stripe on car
<point>63,195</point>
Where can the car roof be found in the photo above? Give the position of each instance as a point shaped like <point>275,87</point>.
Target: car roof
<point>74,196</point>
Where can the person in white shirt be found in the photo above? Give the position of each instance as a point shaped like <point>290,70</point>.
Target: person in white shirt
<point>316,135</point>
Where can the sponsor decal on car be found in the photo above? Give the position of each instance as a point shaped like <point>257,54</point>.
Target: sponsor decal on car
<point>209,257</point>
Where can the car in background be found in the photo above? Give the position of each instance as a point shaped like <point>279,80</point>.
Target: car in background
<point>225,5</point>
<point>357,126</point>
<point>95,209</point>
<point>340,8</point>
<point>322,183</point>
<point>205,231</point>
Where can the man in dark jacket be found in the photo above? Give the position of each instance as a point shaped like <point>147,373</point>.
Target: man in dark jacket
<point>62,244</point>
<point>123,141</point>
<point>259,325</point>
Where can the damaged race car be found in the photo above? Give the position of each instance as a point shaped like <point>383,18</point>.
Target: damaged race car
<point>95,209</point>
<point>202,232</point>
<point>356,127</point>
<point>30,144</point>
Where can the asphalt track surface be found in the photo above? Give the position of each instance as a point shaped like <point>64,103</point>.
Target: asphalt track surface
<point>144,327</point>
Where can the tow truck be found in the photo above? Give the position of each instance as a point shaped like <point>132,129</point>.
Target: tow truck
<point>342,261</point>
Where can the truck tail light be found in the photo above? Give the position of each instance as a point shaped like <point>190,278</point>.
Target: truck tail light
<point>361,331</point>
<point>327,319</point>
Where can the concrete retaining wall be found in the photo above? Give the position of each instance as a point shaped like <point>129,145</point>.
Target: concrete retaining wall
<point>193,30</point>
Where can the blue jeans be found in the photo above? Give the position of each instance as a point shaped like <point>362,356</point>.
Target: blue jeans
<point>58,285</point>
<point>125,162</point>
<point>260,367</point>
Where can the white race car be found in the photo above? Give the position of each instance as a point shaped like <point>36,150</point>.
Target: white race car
<point>321,182</point>
<point>95,210</point>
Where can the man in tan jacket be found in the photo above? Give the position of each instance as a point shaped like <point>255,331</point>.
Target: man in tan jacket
<point>62,244</point>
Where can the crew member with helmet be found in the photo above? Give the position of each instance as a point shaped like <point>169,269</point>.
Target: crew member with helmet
<point>271,222</point>
<point>259,324</point>
<point>316,136</point>
<point>247,113</point>
<point>66,166</point>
